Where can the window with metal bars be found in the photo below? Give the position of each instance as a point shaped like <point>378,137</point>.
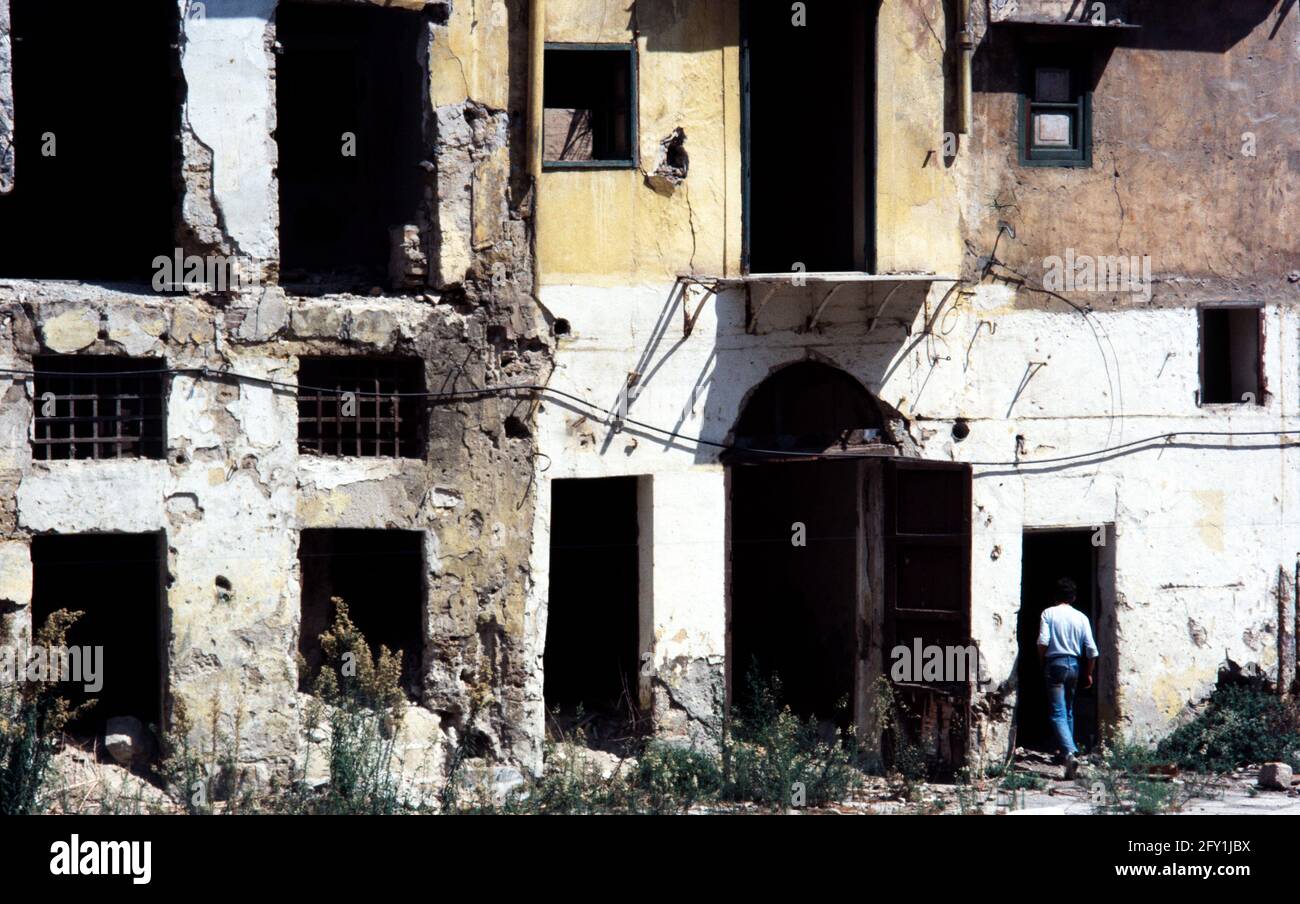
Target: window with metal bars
<point>98,407</point>
<point>368,407</point>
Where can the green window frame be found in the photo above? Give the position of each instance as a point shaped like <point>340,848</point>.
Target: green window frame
<point>1055,93</point>
<point>614,118</point>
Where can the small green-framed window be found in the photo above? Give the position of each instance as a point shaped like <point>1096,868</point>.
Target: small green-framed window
<point>1056,111</point>
<point>590,103</point>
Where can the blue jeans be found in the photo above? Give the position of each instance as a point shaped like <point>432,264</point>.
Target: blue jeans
<point>1062,674</point>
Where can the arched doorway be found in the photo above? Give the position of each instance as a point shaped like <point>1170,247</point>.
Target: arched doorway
<point>798,537</point>
<point>842,553</point>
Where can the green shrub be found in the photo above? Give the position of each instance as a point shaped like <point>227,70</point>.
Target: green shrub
<point>672,778</point>
<point>359,697</point>
<point>1240,725</point>
<point>768,754</point>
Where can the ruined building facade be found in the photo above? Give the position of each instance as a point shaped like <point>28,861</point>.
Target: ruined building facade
<point>342,193</point>
<point>859,324</point>
<point>967,297</point>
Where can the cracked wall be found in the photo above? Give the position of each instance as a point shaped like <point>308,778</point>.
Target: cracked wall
<point>233,490</point>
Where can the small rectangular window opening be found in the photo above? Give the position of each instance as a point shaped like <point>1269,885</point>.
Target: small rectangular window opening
<point>98,407</point>
<point>368,407</point>
<point>590,106</point>
<point>1231,363</point>
<point>1056,111</point>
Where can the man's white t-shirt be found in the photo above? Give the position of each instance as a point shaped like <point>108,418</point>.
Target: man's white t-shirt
<point>1066,631</point>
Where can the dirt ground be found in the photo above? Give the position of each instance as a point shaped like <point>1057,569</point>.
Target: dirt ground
<point>1189,794</point>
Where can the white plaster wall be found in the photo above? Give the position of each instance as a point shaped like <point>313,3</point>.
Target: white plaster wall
<point>230,109</point>
<point>1200,530</point>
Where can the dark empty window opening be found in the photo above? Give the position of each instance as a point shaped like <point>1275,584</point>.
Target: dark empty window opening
<point>370,407</point>
<point>116,581</point>
<point>1056,109</point>
<point>592,621</point>
<point>590,106</point>
<point>379,574</point>
<point>1231,361</point>
<point>808,106</point>
<point>96,112</point>
<point>350,106</point>
<point>97,406</point>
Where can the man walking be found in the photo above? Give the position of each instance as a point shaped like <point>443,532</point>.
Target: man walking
<point>1065,647</point>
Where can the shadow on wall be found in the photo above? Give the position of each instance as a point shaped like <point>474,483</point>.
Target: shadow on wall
<point>1205,26</point>
<point>731,373</point>
<point>1195,26</point>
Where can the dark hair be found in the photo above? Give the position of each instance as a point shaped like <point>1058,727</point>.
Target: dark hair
<point>1066,591</point>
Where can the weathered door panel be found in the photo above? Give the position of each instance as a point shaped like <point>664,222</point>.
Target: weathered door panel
<point>927,547</point>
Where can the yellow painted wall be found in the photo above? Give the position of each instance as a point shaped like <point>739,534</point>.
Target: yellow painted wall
<point>607,227</point>
<point>916,199</point>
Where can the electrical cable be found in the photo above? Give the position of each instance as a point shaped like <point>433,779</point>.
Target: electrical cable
<point>209,373</point>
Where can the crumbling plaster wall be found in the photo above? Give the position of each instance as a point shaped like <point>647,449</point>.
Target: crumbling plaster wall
<point>6,103</point>
<point>1197,529</point>
<point>233,492</point>
<point>1195,117</point>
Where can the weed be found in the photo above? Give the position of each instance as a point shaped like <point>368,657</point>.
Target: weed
<point>32,717</point>
<point>770,757</point>
<point>1023,781</point>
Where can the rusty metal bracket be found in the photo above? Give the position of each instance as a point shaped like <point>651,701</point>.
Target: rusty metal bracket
<point>688,319</point>
<point>812,321</point>
<point>752,326</point>
<point>871,325</point>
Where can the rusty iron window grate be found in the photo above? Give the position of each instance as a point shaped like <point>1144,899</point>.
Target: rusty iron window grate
<point>365,407</point>
<point>97,407</point>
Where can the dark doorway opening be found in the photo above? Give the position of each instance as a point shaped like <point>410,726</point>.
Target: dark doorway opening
<point>593,611</point>
<point>379,574</point>
<point>794,606</point>
<point>808,94</point>
<point>116,580</point>
<point>798,538</point>
<point>97,115</point>
<point>347,71</point>
<point>1049,555</point>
